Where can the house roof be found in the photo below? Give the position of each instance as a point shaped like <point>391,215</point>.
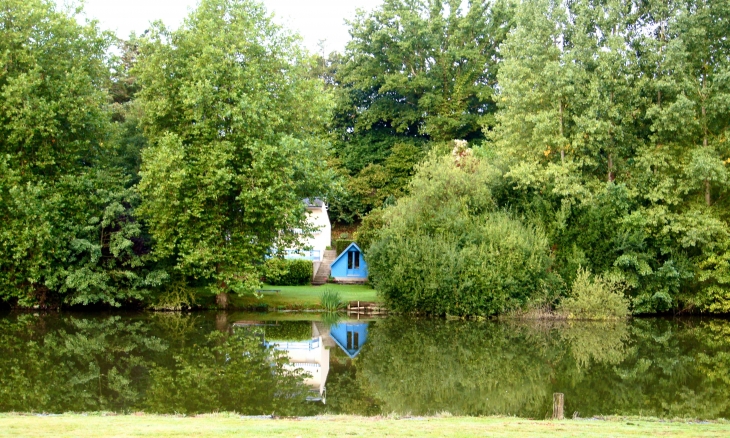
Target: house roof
<point>345,251</point>
<point>351,353</point>
<point>316,202</point>
<point>342,347</point>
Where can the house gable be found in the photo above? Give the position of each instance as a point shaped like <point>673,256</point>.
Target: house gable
<point>350,265</point>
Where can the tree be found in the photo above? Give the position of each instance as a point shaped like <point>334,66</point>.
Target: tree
<point>414,71</point>
<point>446,249</point>
<point>234,123</point>
<point>67,229</point>
<point>611,124</point>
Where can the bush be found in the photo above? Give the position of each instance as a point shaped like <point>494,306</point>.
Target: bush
<point>342,244</point>
<point>497,265</point>
<point>445,250</point>
<point>595,298</point>
<point>283,272</point>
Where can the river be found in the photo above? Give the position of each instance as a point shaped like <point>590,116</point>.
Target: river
<point>304,364</point>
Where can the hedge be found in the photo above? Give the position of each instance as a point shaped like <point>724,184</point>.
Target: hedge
<point>289,331</point>
<point>283,272</point>
<point>342,244</point>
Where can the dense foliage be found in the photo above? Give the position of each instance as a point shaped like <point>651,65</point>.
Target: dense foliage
<point>614,123</point>
<point>595,298</point>
<point>68,231</point>
<point>233,119</point>
<point>598,142</point>
<point>414,73</point>
<point>173,158</point>
<point>612,138</point>
<point>284,272</point>
<point>447,249</point>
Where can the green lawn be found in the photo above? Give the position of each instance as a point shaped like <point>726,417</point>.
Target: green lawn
<point>228,425</point>
<point>303,297</point>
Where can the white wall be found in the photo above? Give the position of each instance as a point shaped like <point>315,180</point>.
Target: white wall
<point>322,238</point>
<point>315,361</point>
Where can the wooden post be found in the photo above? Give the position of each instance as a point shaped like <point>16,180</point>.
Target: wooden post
<point>558,403</point>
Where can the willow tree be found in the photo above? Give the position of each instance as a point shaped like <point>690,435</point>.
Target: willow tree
<point>233,119</point>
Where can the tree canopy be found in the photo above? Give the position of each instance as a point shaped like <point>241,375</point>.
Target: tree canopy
<point>597,149</point>
<point>235,125</point>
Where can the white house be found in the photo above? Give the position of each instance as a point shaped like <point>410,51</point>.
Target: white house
<point>313,247</point>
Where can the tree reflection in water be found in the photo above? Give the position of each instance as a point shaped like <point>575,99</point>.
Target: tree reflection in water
<point>192,363</point>
<point>651,367</point>
<point>171,363</point>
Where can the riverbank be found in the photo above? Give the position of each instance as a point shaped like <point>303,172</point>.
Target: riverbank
<point>100,425</point>
<point>301,297</point>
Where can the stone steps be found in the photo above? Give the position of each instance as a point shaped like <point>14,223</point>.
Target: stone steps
<point>323,273</point>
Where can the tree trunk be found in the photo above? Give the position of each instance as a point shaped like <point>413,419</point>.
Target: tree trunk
<point>562,147</point>
<point>222,300</point>
<point>558,405</point>
<point>611,176</point>
<point>221,322</point>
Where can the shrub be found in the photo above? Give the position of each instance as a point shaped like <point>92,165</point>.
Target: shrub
<point>175,296</point>
<point>495,266</point>
<point>283,272</point>
<point>342,244</point>
<point>595,298</point>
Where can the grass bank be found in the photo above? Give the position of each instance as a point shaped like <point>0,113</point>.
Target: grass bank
<point>301,297</point>
<point>222,425</point>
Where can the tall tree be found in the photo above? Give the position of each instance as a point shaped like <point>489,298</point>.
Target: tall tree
<point>414,71</point>
<point>234,121</point>
<point>614,115</point>
<point>67,230</point>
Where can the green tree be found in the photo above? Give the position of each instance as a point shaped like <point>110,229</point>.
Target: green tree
<point>67,227</point>
<point>234,123</point>
<point>414,71</point>
<point>612,128</point>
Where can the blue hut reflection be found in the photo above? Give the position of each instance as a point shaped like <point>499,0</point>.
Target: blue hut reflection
<point>350,336</point>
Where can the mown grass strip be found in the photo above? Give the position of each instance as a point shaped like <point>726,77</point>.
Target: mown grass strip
<point>225,425</point>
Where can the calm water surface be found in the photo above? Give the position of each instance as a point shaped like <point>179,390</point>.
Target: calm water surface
<point>254,364</point>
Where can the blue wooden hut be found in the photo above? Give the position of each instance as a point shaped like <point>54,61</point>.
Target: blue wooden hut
<point>350,266</point>
<point>350,336</point>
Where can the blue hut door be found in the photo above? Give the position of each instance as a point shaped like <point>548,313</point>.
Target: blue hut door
<point>353,262</point>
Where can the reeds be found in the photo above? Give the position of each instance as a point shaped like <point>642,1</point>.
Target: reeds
<point>330,300</point>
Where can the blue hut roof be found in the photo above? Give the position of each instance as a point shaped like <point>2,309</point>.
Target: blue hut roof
<point>345,251</point>
<point>338,332</point>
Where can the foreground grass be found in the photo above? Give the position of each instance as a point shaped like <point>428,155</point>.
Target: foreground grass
<point>303,297</point>
<point>222,425</point>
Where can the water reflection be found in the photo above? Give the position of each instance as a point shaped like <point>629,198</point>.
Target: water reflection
<point>350,336</point>
<point>305,350</point>
<point>252,364</point>
<point>307,346</point>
